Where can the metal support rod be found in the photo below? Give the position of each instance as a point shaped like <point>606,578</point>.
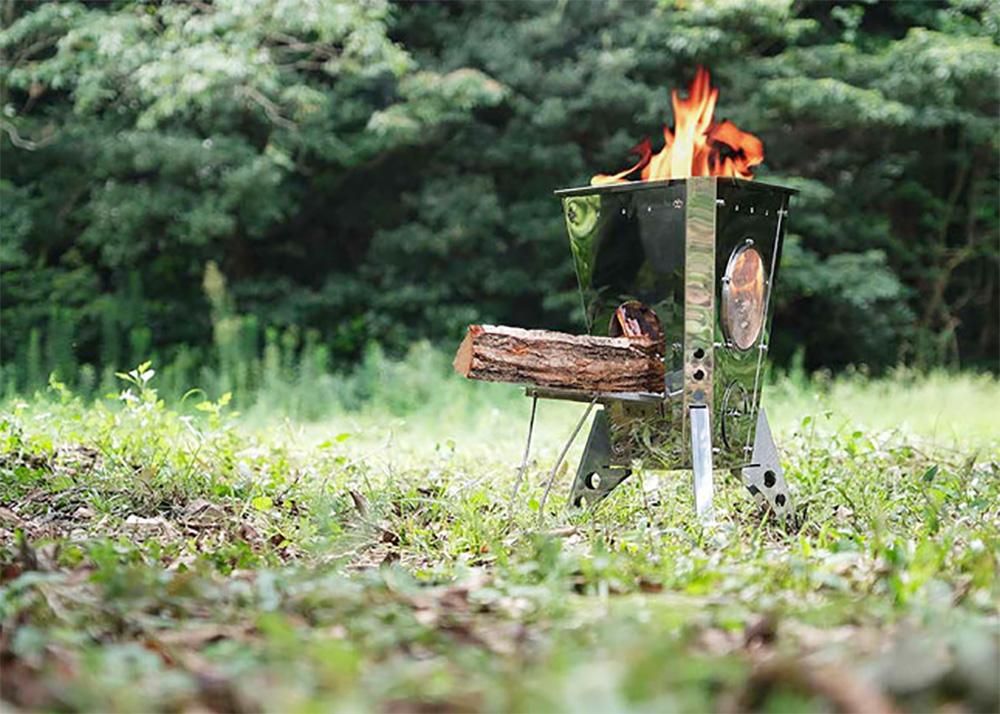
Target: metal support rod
<point>524,460</point>
<point>555,469</point>
<point>764,333</point>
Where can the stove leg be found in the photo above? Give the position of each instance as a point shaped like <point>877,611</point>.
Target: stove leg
<point>764,477</point>
<point>595,476</point>
<point>701,461</point>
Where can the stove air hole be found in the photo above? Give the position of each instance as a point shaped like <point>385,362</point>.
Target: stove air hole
<point>780,499</point>
<point>699,374</point>
<point>699,353</point>
<point>769,479</point>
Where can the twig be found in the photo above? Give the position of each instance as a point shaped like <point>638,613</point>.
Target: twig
<point>270,108</point>
<point>20,142</point>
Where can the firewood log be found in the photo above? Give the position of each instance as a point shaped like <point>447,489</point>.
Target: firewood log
<point>542,358</point>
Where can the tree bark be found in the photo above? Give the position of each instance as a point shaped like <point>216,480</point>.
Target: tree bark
<point>494,353</point>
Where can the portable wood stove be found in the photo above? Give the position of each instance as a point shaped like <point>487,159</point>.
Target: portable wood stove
<point>690,264</point>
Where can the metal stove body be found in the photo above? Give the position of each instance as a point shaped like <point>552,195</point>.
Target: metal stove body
<point>703,255</point>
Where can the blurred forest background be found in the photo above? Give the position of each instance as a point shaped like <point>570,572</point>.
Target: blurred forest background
<point>246,188</point>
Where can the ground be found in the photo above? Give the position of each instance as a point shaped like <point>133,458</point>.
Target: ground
<point>183,557</point>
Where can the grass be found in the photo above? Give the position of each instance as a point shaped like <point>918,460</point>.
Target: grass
<point>179,556</point>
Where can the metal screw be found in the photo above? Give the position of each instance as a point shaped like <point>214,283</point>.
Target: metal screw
<point>720,202</point>
<point>749,241</point>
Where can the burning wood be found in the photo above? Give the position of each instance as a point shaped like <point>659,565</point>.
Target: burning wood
<point>698,145</point>
<point>542,358</point>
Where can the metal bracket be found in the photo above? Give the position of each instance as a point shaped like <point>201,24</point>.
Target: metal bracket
<point>595,476</point>
<point>764,477</point>
<point>701,462</point>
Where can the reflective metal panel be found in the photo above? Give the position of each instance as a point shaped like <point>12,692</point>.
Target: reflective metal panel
<point>754,212</point>
<point>665,244</point>
<point>699,292</point>
<point>628,249</point>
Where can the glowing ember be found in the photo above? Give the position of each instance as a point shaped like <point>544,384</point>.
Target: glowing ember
<point>698,146</point>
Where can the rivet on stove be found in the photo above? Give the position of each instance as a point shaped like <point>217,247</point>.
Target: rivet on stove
<point>649,209</point>
<point>748,241</point>
<point>751,209</point>
<point>720,202</point>
<point>678,203</point>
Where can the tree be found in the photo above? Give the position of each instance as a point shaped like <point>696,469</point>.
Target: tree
<point>384,173</point>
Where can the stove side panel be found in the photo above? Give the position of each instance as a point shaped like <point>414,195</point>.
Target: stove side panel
<point>746,215</point>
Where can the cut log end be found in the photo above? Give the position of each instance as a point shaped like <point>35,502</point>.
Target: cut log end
<point>463,357</point>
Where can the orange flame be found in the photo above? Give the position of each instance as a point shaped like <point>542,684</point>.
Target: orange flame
<point>698,146</point>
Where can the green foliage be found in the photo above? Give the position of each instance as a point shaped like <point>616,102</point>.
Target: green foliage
<point>159,555</point>
<point>360,172</point>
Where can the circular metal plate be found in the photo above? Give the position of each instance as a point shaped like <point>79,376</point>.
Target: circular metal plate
<point>744,289</point>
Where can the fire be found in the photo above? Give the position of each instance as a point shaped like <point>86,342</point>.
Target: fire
<point>698,146</point>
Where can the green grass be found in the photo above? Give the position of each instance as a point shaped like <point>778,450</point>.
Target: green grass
<point>175,557</point>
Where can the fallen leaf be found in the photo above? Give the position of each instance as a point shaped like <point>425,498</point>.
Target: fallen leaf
<point>761,632</point>
<point>200,635</point>
<point>156,524</point>
<point>842,688</point>
<point>9,518</point>
<point>202,513</point>
<point>650,586</point>
<point>359,502</point>
<point>83,513</point>
<point>563,532</point>
<point>389,537</point>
